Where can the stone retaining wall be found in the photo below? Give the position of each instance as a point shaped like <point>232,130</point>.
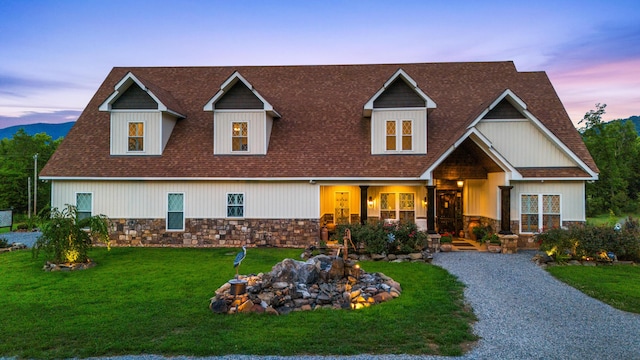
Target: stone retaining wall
<point>298,233</point>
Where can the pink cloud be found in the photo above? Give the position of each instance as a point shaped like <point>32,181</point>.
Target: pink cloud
<point>616,84</point>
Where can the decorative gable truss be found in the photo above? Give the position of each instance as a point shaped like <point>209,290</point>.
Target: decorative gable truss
<point>398,114</point>
<point>242,118</point>
<point>142,117</point>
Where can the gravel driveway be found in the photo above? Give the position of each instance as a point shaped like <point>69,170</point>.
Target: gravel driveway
<point>523,313</point>
<point>27,238</point>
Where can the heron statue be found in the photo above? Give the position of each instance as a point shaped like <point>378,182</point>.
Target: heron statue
<point>241,255</point>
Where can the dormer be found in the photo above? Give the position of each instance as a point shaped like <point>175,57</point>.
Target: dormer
<point>142,117</point>
<point>242,118</point>
<point>398,114</point>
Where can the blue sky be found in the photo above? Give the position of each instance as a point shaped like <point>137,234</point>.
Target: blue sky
<point>55,54</point>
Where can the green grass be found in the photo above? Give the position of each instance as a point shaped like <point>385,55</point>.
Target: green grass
<point>603,219</point>
<point>616,285</point>
<point>155,301</point>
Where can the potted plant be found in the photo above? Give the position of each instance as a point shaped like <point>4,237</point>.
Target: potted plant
<point>445,242</point>
<point>494,244</point>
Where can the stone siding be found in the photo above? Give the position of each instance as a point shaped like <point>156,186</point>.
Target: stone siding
<point>297,233</point>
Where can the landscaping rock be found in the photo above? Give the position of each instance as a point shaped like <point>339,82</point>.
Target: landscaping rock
<point>286,288</point>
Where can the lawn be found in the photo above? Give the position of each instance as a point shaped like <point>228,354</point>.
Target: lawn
<point>616,285</point>
<point>155,301</point>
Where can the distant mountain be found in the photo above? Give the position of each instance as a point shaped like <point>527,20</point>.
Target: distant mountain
<point>53,130</point>
<point>635,120</point>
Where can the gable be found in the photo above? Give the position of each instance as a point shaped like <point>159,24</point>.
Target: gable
<point>504,110</point>
<point>135,98</point>
<point>239,97</point>
<point>399,95</point>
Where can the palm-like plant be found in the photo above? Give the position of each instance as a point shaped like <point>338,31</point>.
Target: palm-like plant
<point>67,239</point>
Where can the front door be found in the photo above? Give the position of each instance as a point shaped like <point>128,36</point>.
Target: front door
<point>449,210</point>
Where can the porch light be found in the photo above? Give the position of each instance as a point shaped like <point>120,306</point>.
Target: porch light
<point>424,202</point>
<point>370,202</point>
<point>460,183</point>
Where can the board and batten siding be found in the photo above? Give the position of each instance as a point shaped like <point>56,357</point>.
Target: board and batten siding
<point>481,197</point>
<point>203,199</point>
<point>379,130</point>
<point>522,144</point>
<point>168,123</point>
<point>152,120</point>
<point>572,197</point>
<point>257,131</point>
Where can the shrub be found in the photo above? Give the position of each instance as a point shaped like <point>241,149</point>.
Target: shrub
<point>378,237</point>
<point>67,239</point>
<point>4,243</point>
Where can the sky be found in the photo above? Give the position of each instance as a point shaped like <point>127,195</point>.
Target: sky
<point>55,54</point>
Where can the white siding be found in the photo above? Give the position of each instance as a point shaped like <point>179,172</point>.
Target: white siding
<point>168,123</point>
<point>481,197</point>
<point>256,131</point>
<point>522,144</point>
<point>120,132</point>
<point>572,197</point>
<point>378,130</point>
<point>148,199</point>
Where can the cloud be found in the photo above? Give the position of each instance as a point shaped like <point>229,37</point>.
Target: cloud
<point>18,86</point>
<point>54,117</point>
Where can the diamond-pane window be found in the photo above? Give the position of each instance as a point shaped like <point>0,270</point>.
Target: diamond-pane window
<point>391,135</point>
<point>175,212</point>
<point>407,133</point>
<point>239,136</point>
<point>83,205</point>
<point>539,212</point>
<point>235,205</point>
<point>136,136</point>
<point>342,212</point>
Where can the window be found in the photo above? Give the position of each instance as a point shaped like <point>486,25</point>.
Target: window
<point>175,211</point>
<point>539,212</point>
<point>399,206</point>
<point>342,208</point>
<point>235,205</point>
<point>407,135</point>
<point>404,141</point>
<point>136,136</point>
<point>388,206</point>
<point>239,136</point>
<point>83,205</point>
<point>391,135</point>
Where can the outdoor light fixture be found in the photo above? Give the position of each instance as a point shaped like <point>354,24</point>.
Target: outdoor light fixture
<point>370,202</point>
<point>424,202</point>
<point>356,271</point>
<point>460,183</point>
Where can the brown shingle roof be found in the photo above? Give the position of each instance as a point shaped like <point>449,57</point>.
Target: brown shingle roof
<point>322,132</point>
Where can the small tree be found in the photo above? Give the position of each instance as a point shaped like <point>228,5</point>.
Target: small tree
<point>67,239</point>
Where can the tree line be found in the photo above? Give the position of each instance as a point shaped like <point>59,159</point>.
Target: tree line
<point>615,147</point>
<point>17,166</point>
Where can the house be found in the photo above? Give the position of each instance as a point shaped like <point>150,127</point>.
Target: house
<point>267,155</point>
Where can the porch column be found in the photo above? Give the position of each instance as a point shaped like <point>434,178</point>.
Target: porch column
<point>505,205</point>
<point>363,204</point>
<point>431,209</point>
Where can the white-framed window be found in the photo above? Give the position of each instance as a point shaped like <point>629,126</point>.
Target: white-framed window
<point>175,211</point>
<point>539,212</point>
<point>398,206</point>
<point>84,205</point>
<point>342,212</point>
<point>235,205</point>
<point>391,135</point>
<point>136,136</point>
<point>402,139</point>
<point>239,136</point>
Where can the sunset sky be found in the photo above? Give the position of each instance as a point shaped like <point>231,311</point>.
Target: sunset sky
<point>55,54</point>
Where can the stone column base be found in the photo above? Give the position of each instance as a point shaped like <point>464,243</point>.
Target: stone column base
<point>509,243</point>
<point>433,242</point>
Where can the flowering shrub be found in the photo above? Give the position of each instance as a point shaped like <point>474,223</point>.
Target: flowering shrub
<point>590,241</point>
<point>389,238</point>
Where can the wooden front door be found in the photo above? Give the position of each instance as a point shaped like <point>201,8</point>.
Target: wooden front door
<point>449,210</point>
